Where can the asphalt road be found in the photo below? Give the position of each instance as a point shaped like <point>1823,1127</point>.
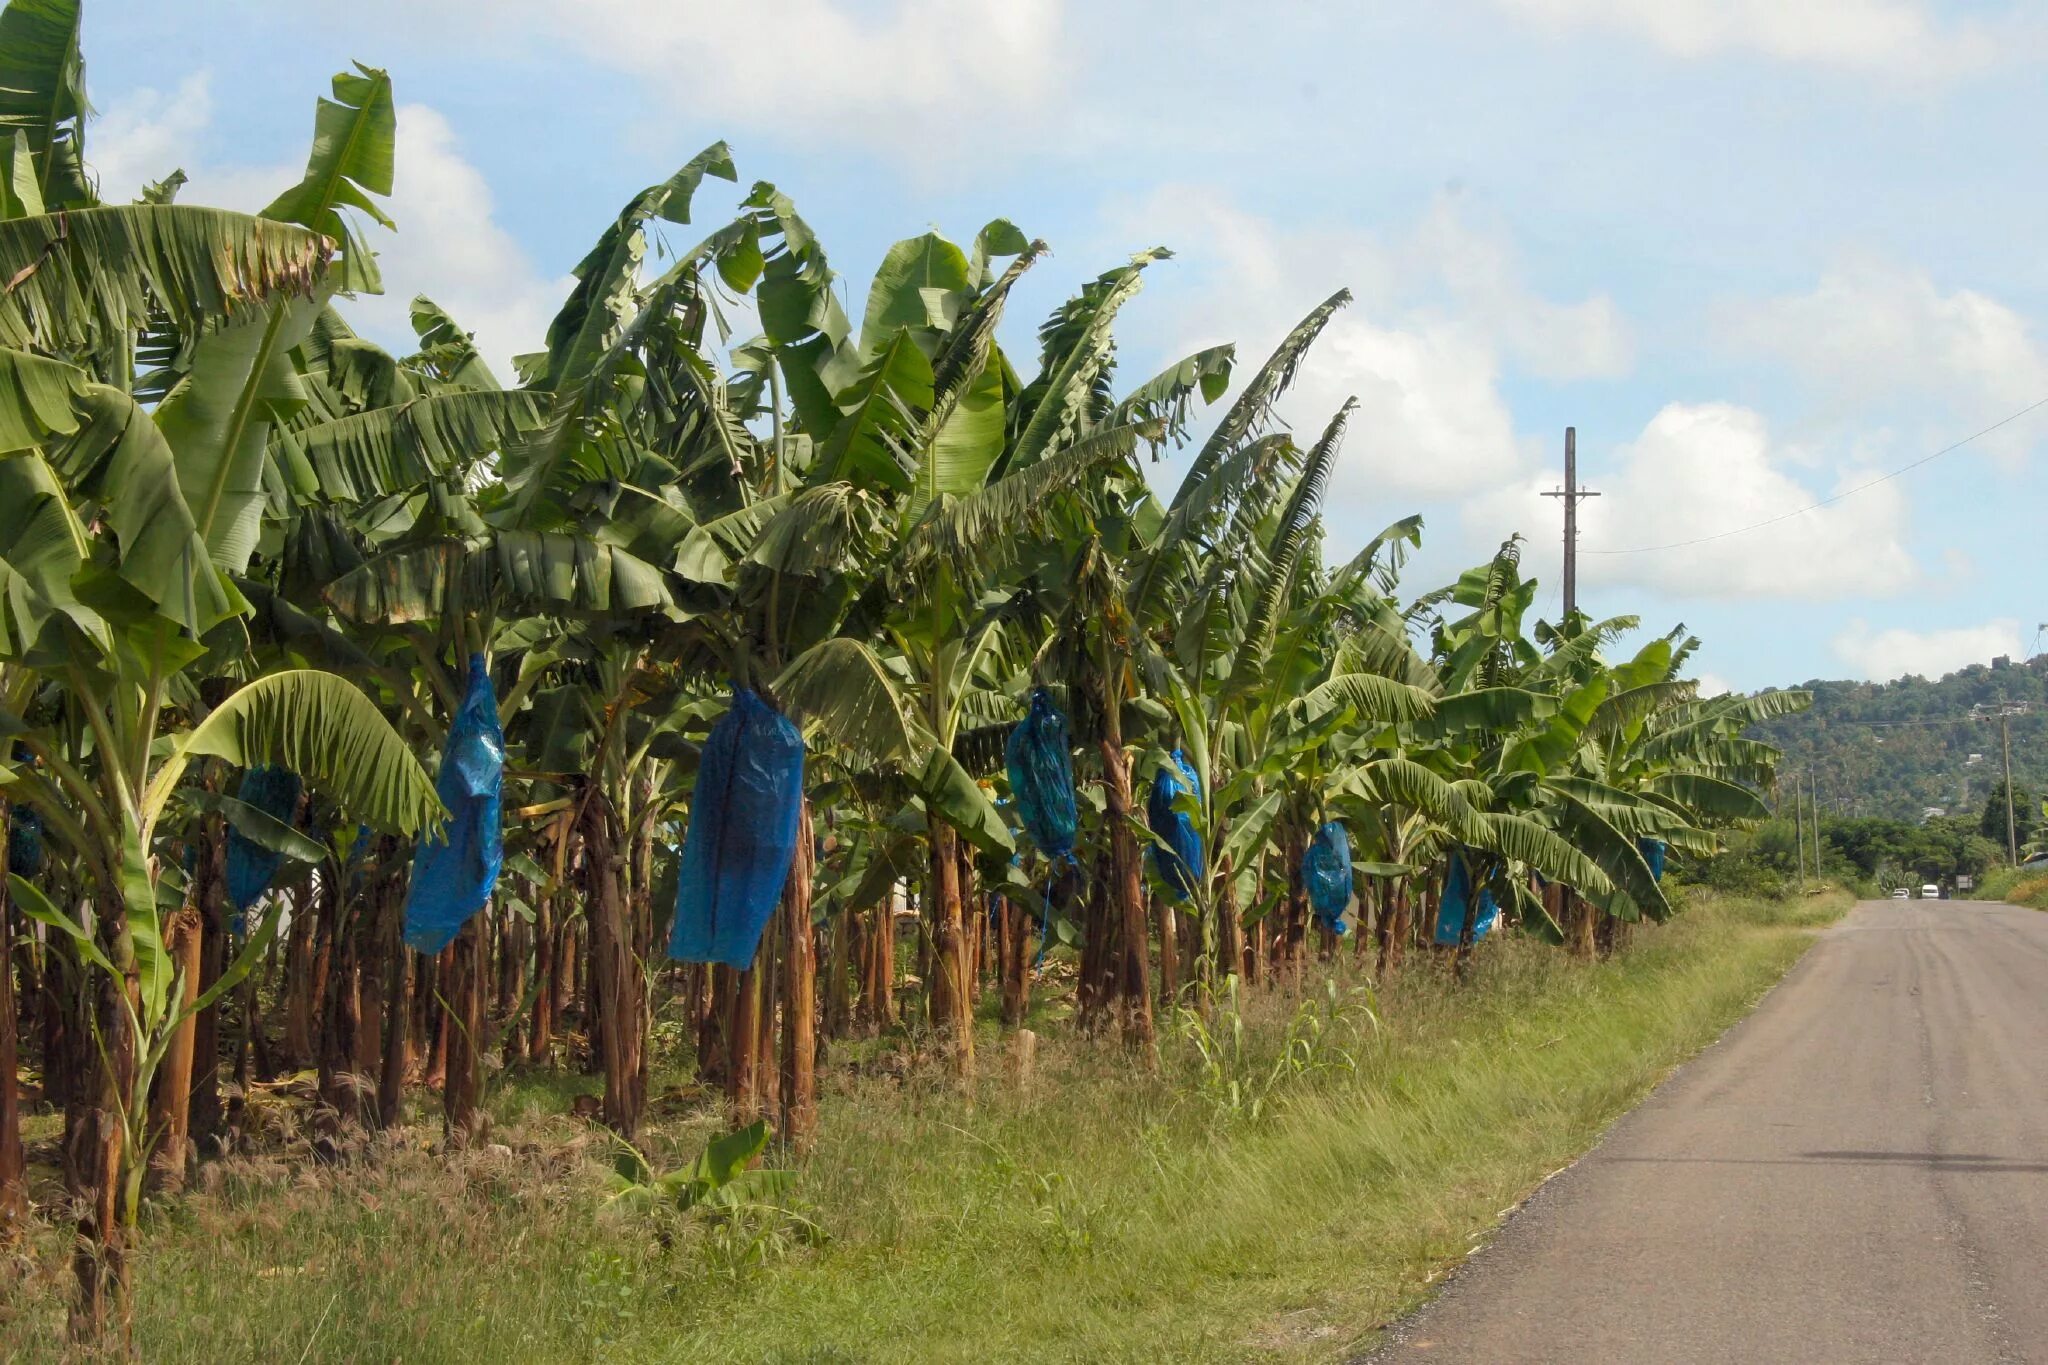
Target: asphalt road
<point>1856,1172</point>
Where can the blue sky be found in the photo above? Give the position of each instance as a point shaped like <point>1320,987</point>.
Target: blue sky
<point>1756,252</point>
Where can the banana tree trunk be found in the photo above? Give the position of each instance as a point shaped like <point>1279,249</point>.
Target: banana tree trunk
<point>1126,884</point>
<point>1393,928</point>
<point>1581,924</point>
<point>1229,929</point>
<point>1293,945</point>
<point>209,897</point>
<point>540,1035</point>
<point>301,950</point>
<point>13,1163</point>
<point>616,970</point>
<point>170,1110</point>
<point>952,1003</point>
<point>1096,987</point>
<point>1016,951</point>
<point>743,1040</point>
<point>799,996</point>
<point>847,949</point>
<point>340,1005</point>
<point>1169,954</point>
<point>462,1026</point>
<point>397,963</point>
<point>100,1161</point>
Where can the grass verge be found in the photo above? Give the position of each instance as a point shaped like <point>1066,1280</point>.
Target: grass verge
<point>1280,1204</point>
<point>2026,886</point>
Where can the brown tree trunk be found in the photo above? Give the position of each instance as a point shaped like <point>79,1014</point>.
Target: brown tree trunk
<point>99,1259</point>
<point>1293,945</point>
<point>1229,930</point>
<point>799,1008</point>
<point>767,1092</point>
<point>540,1037</point>
<point>742,1039</point>
<point>1097,987</point>
<point>396,961</point>
<point>839,975</point>
<point>170,1110</point>
<point>1126,888</point>
<point>1169,954</point>
<point>300,970</point>
<point>340,1003</point>
<point>462,1028</point>
<point>1016,964</point>
<point>13,1163</point>
<point>617,971</point>
<point>714,1027</point>
<point>1393,928</point>
<point>209,897</point>
<point>881,993</point>
<point>952,1004</point>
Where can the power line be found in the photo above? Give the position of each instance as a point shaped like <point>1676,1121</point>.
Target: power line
<point>1825,502</point>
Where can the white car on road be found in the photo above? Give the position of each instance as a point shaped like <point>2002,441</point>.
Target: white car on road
<point>1930,892</point>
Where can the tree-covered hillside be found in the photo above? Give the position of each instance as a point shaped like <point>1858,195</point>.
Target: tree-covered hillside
<point>1895,749</point>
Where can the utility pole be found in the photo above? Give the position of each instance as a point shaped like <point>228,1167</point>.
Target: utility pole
<point>2006,711</point>
<point>1813,785</point>
<point>1799,830</point>
<point>1571,493</point>
<point>2012,841</point>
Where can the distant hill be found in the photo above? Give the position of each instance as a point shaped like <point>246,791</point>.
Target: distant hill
<point>1895,749</point>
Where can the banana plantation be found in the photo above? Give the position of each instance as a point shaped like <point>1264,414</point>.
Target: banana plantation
<point>773,660</point>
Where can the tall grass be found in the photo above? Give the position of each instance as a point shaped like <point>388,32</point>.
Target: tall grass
<point>2020,885</point>
<point>1104,1212</point>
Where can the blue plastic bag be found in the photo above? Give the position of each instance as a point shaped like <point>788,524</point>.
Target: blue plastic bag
<point>1450,914</point>
<point>1041,766</point>
<point>24,842</point>
<point>1178,857</point>
<point>1653,854</point>
<point>743,821</point>
<point>1326,872</point>
<point>251,867</point>
<point>453,875</point>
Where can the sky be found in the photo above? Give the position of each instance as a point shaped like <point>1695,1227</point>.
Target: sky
<point>1758,254</point>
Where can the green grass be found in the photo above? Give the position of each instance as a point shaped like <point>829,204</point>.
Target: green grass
<point>1101,1215</point>
<point>2026,886</point>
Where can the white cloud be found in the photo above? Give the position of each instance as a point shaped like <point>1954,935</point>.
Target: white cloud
<point>1897,36</point>
<point>920,74</point>
<point>1870,333</point>
<point>1700,469</point>
<point>448,244</point>
<point>1882,655</point>
<point>1712,684</point>
<point>1439,314</point>
<point>145,135</point>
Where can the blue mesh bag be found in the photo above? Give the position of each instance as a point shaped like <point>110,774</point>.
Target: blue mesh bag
<point>743,821</point>
<point>1178,856</point>
<point>24,844</point>
<point>1653,854</point>
<point>1326,872</point>
<point>454,874</point>
<point>251,867</point>
<point>1041,765</point>
<point>1450,913</point>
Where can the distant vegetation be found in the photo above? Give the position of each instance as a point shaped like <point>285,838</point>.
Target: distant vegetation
<point>1896,749</point>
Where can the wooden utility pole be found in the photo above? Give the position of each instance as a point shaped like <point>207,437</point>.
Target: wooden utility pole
<point>1813,786</point>
<point>1799,830</point>
<point>2012,841</point>
<point>1571,493</point>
